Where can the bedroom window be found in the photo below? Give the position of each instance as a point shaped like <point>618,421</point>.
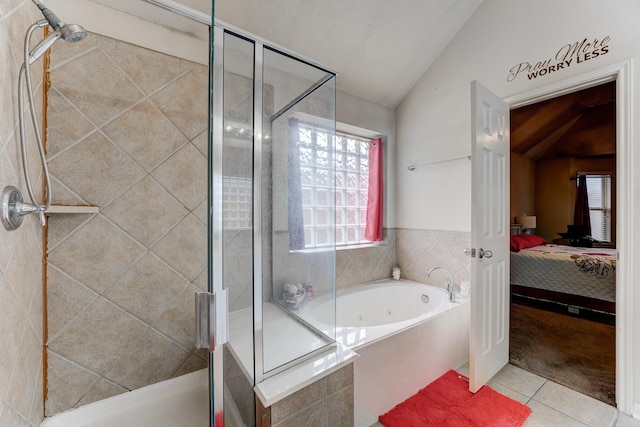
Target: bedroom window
<point>599,193</point>
<point>351,157</point>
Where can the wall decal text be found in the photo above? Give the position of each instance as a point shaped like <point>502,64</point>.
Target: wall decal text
<point>567,56</point>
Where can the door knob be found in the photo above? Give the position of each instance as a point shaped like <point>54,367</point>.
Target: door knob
<point>484,254</point>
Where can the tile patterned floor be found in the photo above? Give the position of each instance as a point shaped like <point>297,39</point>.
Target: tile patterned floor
<point>552,404</point>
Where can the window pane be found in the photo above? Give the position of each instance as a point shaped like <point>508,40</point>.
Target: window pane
<point>352,216</point>
<point>351,146</point>
<point>352,163</point>
<point>352,198</point>
<point>322,158</point>
<point>352,180</point>
<point>323,237</point>
<point>322,177</point>
<point>339,162</point>
<point>334,169</point>
<point>306,176</point>
<point>352,234</point>
<point>322,216</point>
<point>599,194</point>
<point>306,156</point>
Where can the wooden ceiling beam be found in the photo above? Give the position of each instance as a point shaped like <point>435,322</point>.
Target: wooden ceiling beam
<point>537,126</point>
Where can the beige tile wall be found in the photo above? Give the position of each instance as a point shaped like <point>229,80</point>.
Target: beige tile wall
<point>414,251</point>
<point>326,402</point>
<point>21,386</point>
<point>356,266</point>
<point>418,251</point>
<point>127,133</point>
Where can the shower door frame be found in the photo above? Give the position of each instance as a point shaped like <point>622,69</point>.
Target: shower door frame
<point>216,145</point>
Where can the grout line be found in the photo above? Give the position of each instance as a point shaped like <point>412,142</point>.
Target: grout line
<point>538,389</point>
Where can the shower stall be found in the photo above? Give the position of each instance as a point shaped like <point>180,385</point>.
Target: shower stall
<point>238,204</point>
<point>272,164</point>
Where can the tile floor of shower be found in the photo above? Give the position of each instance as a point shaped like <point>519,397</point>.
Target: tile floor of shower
<point>551,403</point>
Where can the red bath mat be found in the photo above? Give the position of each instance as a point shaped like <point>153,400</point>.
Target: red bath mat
<point>447,402</point>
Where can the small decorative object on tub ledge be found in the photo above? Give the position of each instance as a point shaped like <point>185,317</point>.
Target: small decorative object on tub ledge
<point>293,295</point>
<point>309,290</point>
<point>69,209</point>
<point>396,273</point>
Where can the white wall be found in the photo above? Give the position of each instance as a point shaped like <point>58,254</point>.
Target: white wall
<point>434,120</point>
<point>365,114</point>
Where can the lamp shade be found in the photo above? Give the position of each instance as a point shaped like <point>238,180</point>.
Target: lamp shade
<point>528,221</point>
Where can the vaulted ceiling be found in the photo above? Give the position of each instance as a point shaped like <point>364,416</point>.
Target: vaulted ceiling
<point>579,124</point>
<point>379,48</point>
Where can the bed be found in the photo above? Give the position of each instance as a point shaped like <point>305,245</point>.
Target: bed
<point>573,276</point>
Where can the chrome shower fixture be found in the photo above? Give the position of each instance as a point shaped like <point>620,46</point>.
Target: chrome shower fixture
<point>69,32</point>
<point>12,207</point>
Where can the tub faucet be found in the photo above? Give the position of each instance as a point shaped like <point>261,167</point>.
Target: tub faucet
<point>452,294</point>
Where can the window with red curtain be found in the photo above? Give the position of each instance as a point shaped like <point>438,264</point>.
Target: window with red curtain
<point>358,199</point>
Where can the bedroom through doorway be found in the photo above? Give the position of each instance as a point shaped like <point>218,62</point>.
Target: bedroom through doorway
<point>563,166</point>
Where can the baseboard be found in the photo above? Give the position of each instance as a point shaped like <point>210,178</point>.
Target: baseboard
<point>636,411</point>
<point>567,309</point>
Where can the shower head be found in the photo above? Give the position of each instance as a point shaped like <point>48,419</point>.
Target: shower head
<point>70,32</point>
<point>43,46</point>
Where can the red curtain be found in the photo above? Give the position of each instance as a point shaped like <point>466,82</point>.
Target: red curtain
<point>373,227</point>
<point>581,214</point>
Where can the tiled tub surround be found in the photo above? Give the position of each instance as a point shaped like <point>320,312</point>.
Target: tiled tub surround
<point>127,133</point>
<point>362,265</point>
<point>21,387</point>
<point>327,402</point>
<point>414,251</point>
<point>417,251</point>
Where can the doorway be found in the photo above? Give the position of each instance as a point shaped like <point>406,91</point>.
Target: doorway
<point>621,73</point>
<point>562,316</point>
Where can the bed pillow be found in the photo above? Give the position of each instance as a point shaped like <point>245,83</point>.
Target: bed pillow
<point>524,241</point>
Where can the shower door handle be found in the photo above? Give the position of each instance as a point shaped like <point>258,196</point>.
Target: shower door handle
<point>212,328</point>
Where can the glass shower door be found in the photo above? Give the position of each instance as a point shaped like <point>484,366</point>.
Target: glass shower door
<point>298,210</point>
<point>272,225</point>
<point>231,226</point>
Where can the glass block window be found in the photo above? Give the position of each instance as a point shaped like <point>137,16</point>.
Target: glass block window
<point>237,201</point>
<point>350,157</point>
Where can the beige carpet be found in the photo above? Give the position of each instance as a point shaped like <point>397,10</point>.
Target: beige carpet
<point>574,352</point>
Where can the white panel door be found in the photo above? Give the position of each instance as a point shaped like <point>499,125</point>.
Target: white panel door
<point>489,346</point>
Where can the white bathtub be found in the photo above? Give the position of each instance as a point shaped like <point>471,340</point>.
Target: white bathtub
<point>181,401</point>
<point>403,342</point>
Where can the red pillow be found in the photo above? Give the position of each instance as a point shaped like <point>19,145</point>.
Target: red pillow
<point>524,241</point>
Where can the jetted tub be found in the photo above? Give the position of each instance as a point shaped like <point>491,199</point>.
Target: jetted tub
<point>406,333</point>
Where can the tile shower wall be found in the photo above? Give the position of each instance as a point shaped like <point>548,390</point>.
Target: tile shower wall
<point>21,386</point>
<point>126,132</point>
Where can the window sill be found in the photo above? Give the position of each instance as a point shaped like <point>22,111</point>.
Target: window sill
<point>362,246</point>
